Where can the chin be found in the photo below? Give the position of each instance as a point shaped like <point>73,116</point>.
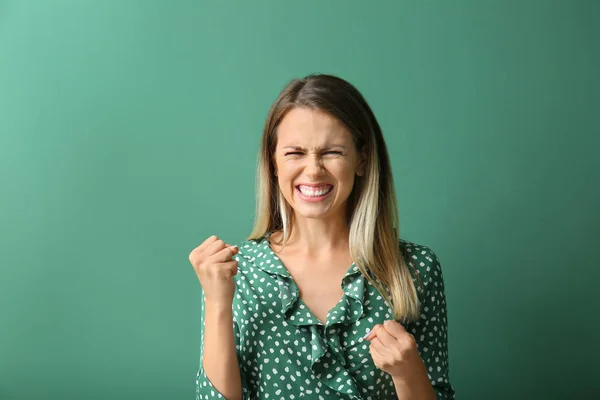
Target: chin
<point>311,215</point>
<point>322,213</point>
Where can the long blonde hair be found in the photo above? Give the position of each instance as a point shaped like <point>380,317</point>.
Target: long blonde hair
<point>372,207</point>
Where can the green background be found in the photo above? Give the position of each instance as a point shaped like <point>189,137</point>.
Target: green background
<point>129,132</point>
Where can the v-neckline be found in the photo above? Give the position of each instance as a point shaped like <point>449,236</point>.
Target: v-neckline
<point>353,269</point>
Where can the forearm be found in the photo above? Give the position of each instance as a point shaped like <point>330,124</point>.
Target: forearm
<point>220,361</point>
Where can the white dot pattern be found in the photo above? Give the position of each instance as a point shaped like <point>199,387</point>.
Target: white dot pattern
<point>286,352</point>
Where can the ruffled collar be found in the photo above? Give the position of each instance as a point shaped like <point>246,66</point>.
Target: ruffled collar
<point>327,361</point>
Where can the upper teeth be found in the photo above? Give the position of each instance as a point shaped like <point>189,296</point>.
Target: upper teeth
<point>314,191</point>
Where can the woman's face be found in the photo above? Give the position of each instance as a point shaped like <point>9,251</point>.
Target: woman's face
<point>316,162</point>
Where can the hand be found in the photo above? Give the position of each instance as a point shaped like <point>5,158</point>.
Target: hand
<point>215,268</point>
<point>394,351</point>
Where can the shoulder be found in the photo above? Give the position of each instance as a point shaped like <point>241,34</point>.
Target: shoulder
<point>424,263</point>
<point>250,248</point>
<point>249,251</point>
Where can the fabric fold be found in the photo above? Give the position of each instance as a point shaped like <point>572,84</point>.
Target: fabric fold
<point>328,364</point>
<point>327,358</point>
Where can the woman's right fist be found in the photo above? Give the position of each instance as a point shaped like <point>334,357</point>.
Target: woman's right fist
<point>215,267</point>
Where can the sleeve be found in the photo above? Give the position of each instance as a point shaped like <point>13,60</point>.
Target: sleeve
<point>204,388</point>
<point>431,330</point>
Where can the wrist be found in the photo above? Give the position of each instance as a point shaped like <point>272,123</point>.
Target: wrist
<point>414,387</point>
<point>216,309</point>
<point>414,390</point>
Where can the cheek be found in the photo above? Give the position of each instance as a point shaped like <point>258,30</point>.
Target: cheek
<point>343,171</point>
<point>286,171</point>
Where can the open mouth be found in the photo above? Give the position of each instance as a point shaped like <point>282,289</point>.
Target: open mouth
<point>314,191</point>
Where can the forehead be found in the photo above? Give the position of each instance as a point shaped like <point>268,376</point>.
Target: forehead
<point>311,128</point>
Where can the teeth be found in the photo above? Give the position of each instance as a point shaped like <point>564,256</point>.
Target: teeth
<point>315,192</point>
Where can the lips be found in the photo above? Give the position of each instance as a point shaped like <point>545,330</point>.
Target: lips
<point>314,185</point>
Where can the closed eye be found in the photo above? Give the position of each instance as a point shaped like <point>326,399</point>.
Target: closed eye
<point>293,153</point>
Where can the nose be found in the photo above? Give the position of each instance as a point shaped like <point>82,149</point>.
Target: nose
<point>314,166</point>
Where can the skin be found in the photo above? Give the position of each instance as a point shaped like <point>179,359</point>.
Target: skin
<point>313,147</point>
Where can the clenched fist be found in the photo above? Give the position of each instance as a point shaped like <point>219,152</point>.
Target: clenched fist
<point>214,264</point>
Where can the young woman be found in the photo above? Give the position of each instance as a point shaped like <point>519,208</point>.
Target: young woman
<point>324,300</point>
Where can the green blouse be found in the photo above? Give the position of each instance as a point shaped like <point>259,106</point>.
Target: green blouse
<point>285,352</point>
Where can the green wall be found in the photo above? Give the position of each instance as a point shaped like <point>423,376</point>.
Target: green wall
<point>129,131</point>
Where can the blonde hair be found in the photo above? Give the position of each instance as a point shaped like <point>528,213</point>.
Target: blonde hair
<point>372,208</point>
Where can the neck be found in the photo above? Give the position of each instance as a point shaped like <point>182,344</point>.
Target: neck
<point>316,236</point>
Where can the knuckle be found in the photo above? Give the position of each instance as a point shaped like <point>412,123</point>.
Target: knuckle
<point>194,261</point>
<point>197,251</point>
<point>410,341</point>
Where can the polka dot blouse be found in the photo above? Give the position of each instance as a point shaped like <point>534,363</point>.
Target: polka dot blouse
<point>285,352</point>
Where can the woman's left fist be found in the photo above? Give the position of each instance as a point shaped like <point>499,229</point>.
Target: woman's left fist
<point>394,350</point>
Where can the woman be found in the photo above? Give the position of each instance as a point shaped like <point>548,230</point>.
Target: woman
<point>323,301</point>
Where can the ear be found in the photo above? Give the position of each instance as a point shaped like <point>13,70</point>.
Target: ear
<point>362,163</point>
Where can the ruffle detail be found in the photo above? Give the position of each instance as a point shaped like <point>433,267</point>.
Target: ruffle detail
<point>327,359</point>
